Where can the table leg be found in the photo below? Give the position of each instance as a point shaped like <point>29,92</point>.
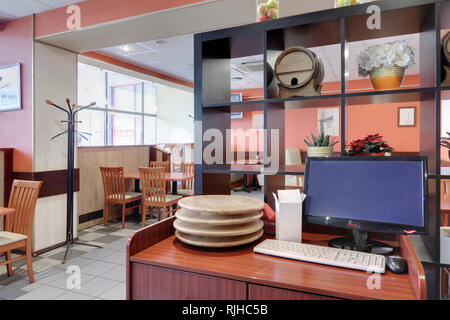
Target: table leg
<point>174,191</point>
<point>136,203</point>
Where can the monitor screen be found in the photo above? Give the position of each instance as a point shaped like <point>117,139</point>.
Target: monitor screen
<point>388,192</point>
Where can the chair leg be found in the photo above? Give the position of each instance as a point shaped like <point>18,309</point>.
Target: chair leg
<point>164,213</point>
<point>143,213</point>
<point>9,265</point>
<point>159,213</point>
<point>30,262</point>
<point>105,214</point>
<point>123,215</point>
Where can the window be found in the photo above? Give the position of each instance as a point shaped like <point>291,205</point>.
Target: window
<point>125,113</point>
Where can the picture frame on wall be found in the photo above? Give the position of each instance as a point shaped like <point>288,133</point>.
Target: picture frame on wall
<point>406,117</point>
<point>10,87</point>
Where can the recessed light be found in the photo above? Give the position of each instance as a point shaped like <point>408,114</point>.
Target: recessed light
<point>126,48</point>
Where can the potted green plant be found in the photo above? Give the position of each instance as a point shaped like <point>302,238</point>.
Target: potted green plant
<point>445,142</point>
<point>320,146</point>
<point>372,145</point>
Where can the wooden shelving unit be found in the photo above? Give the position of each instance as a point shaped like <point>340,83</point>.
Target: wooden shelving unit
<point>213,51</point>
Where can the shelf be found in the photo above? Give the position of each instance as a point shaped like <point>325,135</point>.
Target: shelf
<point>309,102</point>
<point>389,96</point>
<point>243,106</point>
<point>232,168</point>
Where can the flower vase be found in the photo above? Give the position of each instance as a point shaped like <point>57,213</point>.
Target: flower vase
<point>320,151</point>
<point>387,78</point>
<point>373,154</point>
<point>344,3</point>
<point>267,10</point>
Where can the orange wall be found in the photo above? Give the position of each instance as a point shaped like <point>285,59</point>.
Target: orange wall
<point>361,120</point>
<point>16,126</point>
<point>100,11</point>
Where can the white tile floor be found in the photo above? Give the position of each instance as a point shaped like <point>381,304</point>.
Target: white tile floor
<point>102,270</point>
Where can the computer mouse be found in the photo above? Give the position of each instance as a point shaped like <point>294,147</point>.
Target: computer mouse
<point>396,264</point>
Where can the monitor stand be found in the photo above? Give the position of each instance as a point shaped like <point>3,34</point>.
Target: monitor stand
<point>360,241</point>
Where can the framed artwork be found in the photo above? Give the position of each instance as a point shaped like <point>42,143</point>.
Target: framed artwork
<point>328,121</point>
<point>10,90</point>
<point>407,116</point>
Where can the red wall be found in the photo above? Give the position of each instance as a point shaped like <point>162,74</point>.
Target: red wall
<point>16,126</point>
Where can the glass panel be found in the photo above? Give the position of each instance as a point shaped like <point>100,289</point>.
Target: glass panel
<point>93,123</point>
<point>125,129</point>
<point>150,98</point>
<point>149,130</point>
<point>91,85</point>
<point>125,93</point>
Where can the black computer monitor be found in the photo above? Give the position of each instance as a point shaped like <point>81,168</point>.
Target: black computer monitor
<point>381,194</point>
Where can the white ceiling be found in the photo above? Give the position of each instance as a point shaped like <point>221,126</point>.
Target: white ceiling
<point>10,9</point>
<point>174,57</point>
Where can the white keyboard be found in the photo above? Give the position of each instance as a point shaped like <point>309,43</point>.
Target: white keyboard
<point>324,255</point>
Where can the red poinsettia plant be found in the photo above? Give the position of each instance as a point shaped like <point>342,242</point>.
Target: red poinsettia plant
<point>373,143</point>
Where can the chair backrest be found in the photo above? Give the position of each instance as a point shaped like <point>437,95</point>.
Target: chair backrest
<point>113,183</point>
<point>293,157</point>
<point>176,154</point>
<point>153,185</point>
<point>163,164</point>
<point>188,168</point>
<point>23,198</point>
<point>445,186</point>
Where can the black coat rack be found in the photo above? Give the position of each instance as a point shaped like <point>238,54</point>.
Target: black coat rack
<point>71,113</point>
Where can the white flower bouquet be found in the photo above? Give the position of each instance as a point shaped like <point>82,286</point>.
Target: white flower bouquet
<point>387,55</point>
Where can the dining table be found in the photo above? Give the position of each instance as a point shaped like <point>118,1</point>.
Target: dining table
<point>445,208</point>
<point>6,211</point>
<point>173,177</point>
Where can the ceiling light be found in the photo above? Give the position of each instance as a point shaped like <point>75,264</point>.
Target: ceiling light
<point>126,48</point>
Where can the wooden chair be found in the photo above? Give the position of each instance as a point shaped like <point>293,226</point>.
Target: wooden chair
<point>163,164</point>
<point>115,193</point>
<point>187,187</point>
<point>18,232</point>
<point>175,158</point>
<point>154,192</point>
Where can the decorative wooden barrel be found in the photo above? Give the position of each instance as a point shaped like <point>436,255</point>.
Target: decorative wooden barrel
<point>445,60</point>
<point>300,72</point>
<point>445,49</point>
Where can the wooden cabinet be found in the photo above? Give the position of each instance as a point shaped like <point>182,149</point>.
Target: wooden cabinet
<point>156,283</point>
<point>256,292</point>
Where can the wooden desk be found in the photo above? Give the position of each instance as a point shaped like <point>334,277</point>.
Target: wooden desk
<point>161,267</point>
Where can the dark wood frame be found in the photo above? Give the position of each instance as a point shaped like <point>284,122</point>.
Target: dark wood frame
<point>407,125</point>
<point>212,51</point>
